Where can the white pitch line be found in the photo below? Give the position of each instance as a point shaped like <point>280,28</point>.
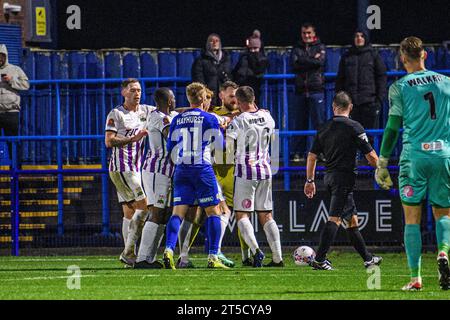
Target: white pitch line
<point>43,260</point>
<point>190,276</point>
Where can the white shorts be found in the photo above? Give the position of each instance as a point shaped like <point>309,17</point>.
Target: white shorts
<point>157,187</point>
<point>128,186</point>
<point>252,195</point>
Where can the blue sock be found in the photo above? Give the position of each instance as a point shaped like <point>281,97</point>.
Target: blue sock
<point>173,226</point>
<point>214,232</point>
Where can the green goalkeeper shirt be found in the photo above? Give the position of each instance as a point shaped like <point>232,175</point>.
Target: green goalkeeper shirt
<point>422,99</point>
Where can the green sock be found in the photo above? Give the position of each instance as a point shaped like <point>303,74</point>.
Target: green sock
<point>443,234</point>
<point>413,245</point>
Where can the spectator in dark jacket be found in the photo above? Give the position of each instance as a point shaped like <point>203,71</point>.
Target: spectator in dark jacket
<point>252,65</point>
<point>213,67</point>
<point>307,62</point>
<point>362,73</point>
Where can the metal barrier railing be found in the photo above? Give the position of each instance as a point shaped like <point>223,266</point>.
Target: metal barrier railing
<point>15,171</point>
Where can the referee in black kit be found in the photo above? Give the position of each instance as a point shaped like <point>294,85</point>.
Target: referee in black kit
<point>339,139</point>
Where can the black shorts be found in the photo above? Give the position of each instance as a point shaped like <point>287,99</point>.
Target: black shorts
<point>340,186</point>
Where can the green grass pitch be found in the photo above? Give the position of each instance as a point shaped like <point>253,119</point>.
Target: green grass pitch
<point>104,277</point>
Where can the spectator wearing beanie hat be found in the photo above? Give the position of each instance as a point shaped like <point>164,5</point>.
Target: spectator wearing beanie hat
<point>212,67</point>
<point>362,73</point>
<point>252,65</point>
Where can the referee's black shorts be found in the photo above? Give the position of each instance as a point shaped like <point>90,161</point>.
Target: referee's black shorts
<point>340,185</point>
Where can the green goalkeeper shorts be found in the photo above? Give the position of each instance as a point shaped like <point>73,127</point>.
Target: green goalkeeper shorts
<point>424,175</point>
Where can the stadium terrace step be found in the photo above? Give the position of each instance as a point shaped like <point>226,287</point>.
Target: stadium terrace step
<point>34,202</point>
<point>7,239</point>
<point>48,179</point>
<point>25,226</point>
<point>40,214</point>
<point>41,190</point>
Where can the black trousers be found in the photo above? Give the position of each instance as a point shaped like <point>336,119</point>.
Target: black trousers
<point>9,122</point>
<point>340,185</point>
<point>367,114</point>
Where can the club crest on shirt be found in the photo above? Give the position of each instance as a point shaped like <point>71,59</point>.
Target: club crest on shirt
<point>161,199</point>
<point>246,203</point>
<point>408,191</point>
<point>111,122</point>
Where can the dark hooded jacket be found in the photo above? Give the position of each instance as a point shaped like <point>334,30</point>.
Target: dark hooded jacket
<point>250,69</point>
<point>308,70</point>
<point>212,71</point>
<point>362,73</point>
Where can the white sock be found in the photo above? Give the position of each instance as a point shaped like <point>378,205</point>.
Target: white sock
<point>184,237</point>
<point>135,229</point>
<point>224,218</point>
<point>158,239</point>
<point>125,226</point>
<point>148,238</point>
<point>273,237</point>
<point>248,233</point>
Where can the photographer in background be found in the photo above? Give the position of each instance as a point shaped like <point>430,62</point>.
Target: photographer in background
<point>13,80</point>
<point>213,67</point>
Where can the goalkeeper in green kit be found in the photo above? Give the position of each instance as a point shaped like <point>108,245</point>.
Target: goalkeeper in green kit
<point>421,100</point>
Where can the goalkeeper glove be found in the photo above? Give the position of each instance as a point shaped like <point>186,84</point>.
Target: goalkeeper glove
<point>382,175</point>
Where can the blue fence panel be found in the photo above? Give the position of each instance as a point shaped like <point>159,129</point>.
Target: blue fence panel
<point>333,56</point>
<point>149,69</point>
<point>84,106</point>
<point>167,64</point>
<point>389,57</point>
<point>185,59</point>
<point>430,62</point>
<point>131,65</point>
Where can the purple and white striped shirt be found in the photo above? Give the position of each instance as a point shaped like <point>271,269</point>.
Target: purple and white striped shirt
<point>126,124</point>
<point>253,132</point>
<point>157,160</point>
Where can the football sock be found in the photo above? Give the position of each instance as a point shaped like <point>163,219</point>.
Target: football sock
<point>358,243</point>
<point>156,243</point>
<point>248,233</point>
<point>125,226</point>
<point>224,218</point>
<point>326,239</point>
<point>244,247</point>
<point>413,246</point>
<point>273,237</point>
<point>184,238</point>
<point>214,231</point>
<point>147,239</point>
<point>135,229</point>
<point>173,226</point>
<point>443,234</point>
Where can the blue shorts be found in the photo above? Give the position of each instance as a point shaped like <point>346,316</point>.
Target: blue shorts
<point>195,187</point>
